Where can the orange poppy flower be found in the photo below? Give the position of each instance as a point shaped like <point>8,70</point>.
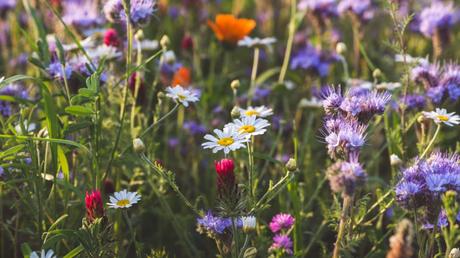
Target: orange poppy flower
<point>182,77</point>
<point>230,29</point>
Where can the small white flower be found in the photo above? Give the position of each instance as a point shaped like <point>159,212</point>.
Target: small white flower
<point>411,60</point>
<point>260,111</point>
<point>29,127</point>
<point>147,44</point>
<point>168,57</point>
<point>249,125</point>
<point>311,103</point>
<point>181,95</point>
<point>256,42</point>
<point>2,79</point>
<point>441,116</point>
<point>391,86</point>
<point>123,199</point>
<point>104,51</point>
<point>227,140</point>
<point>249,223</point>
<point>43,254</point>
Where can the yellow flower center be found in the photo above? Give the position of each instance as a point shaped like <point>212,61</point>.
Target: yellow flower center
<point>252,113</point>
<point>225,141</point>
<point>123,202</point>
<point>181,97</point>
<point>247,129</point>
<point>443,118</point>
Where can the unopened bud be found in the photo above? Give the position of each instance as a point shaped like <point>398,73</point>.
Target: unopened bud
<point>235,113</point>
<point>164,42</point>
<point>377,73</point>
<point>291,165</point>
<point>235,84</point>
<point>139,35</point>
<point>138,145</point>
<point>161,95</point>
<point>249,223</point>
<point>341,48</point>
<point>395,160</point>
<point>421,119</point>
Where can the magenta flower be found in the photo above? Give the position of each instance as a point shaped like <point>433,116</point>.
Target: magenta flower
<point>281,221</point>
<point>282,243</point>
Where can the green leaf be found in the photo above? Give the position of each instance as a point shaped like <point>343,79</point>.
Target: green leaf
<point>26,250</point>
<point>79,110</point>
<point>11,151</point>
<point>74,252</point>
<point>64,165</point>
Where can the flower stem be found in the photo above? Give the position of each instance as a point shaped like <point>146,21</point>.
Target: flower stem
<point>343,220</point>
<point>255,65</point>
<point>287,53</point>
<point>438,129</point>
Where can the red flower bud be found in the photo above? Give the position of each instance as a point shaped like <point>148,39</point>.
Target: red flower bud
<point>111,38</point>
<point>94,206</point>
<point>225,176</point>
<point>187,43</point>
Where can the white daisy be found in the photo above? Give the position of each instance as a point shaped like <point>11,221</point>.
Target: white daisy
<point>249,125</point>
<point>181,95</point>
<point>441,116</point>
<point>123,199</point>
<point>43,254</point>
<point>249,223</point>
<point>256,42</point>
<point>260,111</point>
<point>227,140</point>
<point>147,44</point>
<point>29,127</point>
<point>104,51</point>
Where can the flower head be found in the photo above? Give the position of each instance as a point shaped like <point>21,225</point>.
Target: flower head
<point>322,8</point>
<point>260,111</point>
<point>140,11</point>
<point>181,95</point>
<point>441,116</point>
<point>123,199</point>
<point>256,42</point>
<point>43,254</point>
<point>345,177</point>
<point>362,9</point>
<point>281,221</point>
<point>111,38</point>
<point>225,176</point>
<point>228,139</point>
<point>282,243</point>
<point>229,29</point>
<point>214,224</point>
<point>249,125</point>
<point>249,223</point>
<point>94,206</point>
<point>437,16</point>
<point>313,59</point>
<point>81,13</point>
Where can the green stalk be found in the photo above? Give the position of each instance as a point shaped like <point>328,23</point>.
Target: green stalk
<point>255,65</point>
<point>287,53</point>
<point>438,129</point>
<point>136,87</point>
<point>343,220</point>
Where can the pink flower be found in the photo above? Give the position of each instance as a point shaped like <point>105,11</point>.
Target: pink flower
<point>281,221</point>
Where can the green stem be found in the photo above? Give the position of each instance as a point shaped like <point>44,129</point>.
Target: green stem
<point>235,238</point>
<point>287,53</point>
<point>438,129</point>
<point>255,65</point>
<point>131,231</point>
<point>343,221</point>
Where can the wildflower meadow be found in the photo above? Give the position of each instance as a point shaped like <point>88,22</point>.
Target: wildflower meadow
<point>230,128</point>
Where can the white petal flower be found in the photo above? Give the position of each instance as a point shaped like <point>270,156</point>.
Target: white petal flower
<point>123,199</point>
<point>104,51</point>
<point>249,223</point>
<point>249,125</point>
<point>391,86</point>
<point>411,60</point>
<point>441,116</point>
<point>260,111</point>
<point>256,42</point>
<point>2,79</point>
<point>147,44</point>
<point>43,254</point>
<point>183,96</point>
<point>227,140</point>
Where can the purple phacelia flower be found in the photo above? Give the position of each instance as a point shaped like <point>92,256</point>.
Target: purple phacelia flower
<point>81,13</point>
<point>362,9</point>
<point>140,11</point>
<point>321,8</point>
<point>56,70</point>
<point>6,5</point>
<point>313,59</point>
<point>427,74</point>
<point>194,128</point>
<point>450,80</point>
<point>414,101</point>
<point>281,221</point>
<point>346,177</point>
<point>282,243</point>
<point>14,90</point>
<point>438,16</point>
<point>344,138</point>
<point>332,100</point>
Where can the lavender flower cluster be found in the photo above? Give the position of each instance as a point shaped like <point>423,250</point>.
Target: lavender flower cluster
<point>312,59</point>
<point>440,83</point>
<point>215,226</point>
<point>14,90</point>
<point>422,185</point>
<point>345,126</point>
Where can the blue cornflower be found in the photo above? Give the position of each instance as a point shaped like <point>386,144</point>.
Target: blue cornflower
<point>140,11</point>
<point>214,224</point>
<point>55,70</point>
